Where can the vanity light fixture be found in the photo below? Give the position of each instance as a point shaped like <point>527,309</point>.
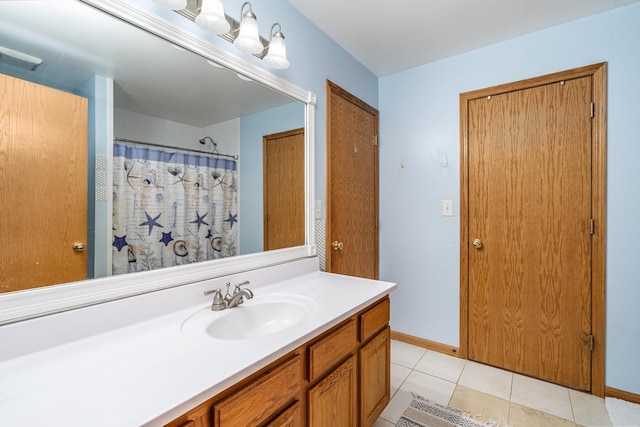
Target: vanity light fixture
<point>248,39</point>
<point>208,15</point>
<point>212,17</point>
<point>277,53</point>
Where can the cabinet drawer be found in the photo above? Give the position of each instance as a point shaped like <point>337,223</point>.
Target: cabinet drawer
<point>330,350</point>
<point>374,319</point>
<point>263,398</point>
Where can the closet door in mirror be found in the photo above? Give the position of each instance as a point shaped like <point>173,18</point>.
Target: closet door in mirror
<point>43,205</point>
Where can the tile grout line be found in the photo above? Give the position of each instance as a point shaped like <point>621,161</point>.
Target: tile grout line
<point>464,365</point>
<point>510,401</point>
<point>402,383</point>
<point>399,387</point>
<point>573,412</point>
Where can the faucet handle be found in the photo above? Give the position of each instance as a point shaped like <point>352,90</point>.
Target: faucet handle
<point>218,301</point>
<point>237,289</point>
<point>228,295</point>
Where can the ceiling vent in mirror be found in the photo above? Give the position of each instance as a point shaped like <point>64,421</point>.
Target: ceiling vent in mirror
<point>209,15</point>
<point>19,59</point>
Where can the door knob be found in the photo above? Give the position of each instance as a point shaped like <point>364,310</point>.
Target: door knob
<point>477,243</point>
<point>79,246</point>
<point>337,246</point>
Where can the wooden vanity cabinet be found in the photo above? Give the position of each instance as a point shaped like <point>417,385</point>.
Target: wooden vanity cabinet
<point>356,392</point>
<point>340,378</point>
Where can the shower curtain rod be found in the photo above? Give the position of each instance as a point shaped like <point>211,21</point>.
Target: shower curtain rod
<point>133,141</point>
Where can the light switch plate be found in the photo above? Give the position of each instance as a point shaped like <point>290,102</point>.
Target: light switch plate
<point>447,208</point>
<point>318,209</point>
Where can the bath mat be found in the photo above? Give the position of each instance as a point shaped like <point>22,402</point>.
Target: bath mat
<point>623,413</point>
<point>425,413</point>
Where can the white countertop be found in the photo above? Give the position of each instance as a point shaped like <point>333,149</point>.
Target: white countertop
<point>151,372</point>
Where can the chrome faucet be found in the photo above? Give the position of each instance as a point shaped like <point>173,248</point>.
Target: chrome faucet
<point>237,297</point>
<point>229,300</point>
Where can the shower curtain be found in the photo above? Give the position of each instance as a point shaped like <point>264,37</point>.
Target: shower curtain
<point>171,208</point>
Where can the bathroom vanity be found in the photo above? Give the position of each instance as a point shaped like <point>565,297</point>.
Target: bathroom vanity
<point>166,359</point>
<point>341,377</point>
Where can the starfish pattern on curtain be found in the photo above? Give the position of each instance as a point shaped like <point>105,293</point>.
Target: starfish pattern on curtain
<point>171,208</point>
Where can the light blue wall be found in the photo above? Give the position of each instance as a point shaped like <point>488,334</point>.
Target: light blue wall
<point>99,91</point>
<point>252,128</point>
<point>419,122</point>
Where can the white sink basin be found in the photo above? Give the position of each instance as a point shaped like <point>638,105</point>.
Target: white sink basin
<point>257,317</point>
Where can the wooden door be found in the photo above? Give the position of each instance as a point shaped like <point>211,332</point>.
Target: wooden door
<point>43,182</point>
<point>283,189</point>
<point>530,232</point>
<point>333,401</point>
<point>352,176</point>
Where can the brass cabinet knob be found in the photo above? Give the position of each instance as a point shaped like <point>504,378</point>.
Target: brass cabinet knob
<point>337,246</point>
<point>79,246</point>
<point>477,243</point>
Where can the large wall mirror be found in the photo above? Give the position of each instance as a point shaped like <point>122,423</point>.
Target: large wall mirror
<point>132,158</point>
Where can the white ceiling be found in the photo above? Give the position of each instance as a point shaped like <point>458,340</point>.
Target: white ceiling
<point>391,36</point>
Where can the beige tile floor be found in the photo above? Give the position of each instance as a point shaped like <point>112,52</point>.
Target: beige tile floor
<point>486,392</point>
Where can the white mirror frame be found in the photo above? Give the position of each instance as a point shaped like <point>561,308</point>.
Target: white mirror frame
<point>27,304</point>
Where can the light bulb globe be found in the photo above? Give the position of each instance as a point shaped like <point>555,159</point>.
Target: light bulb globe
<point>248,39</point>
<point>212,18</point>
<point>277,54</point>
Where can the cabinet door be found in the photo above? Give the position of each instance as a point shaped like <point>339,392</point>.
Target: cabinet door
<point>375,365</point>
<point>333,401</point>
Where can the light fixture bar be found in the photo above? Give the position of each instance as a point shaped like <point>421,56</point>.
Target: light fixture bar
<point>193,9</point>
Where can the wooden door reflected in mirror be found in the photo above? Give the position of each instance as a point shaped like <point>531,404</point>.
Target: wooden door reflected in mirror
<point>283,186</point>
